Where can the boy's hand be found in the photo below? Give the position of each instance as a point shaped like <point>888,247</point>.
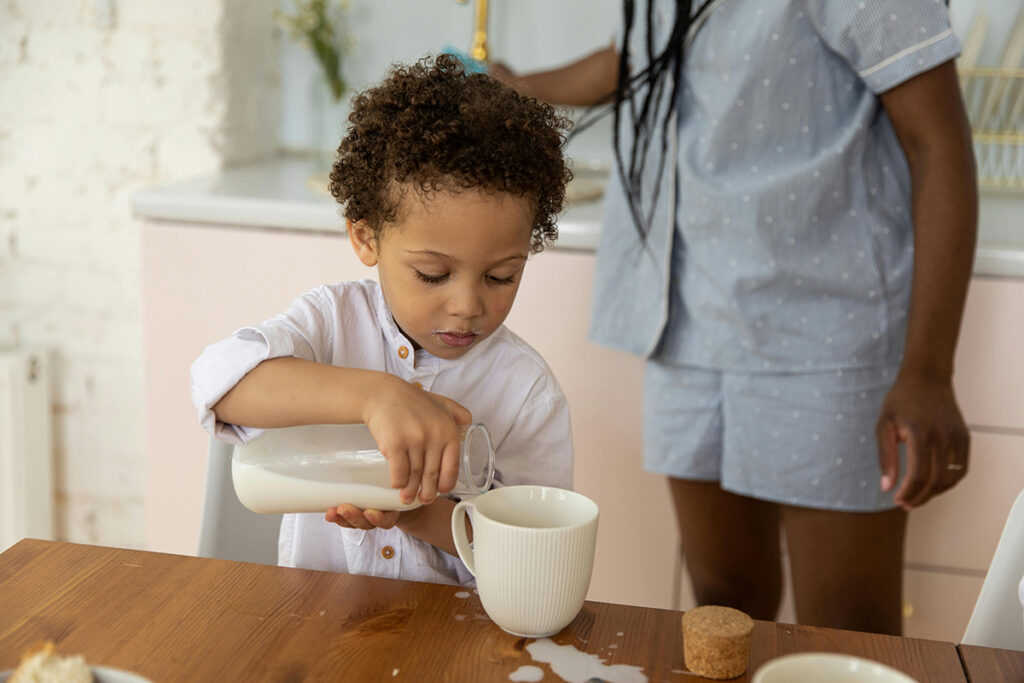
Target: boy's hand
<point>418,433</point>
<point>351,517</point>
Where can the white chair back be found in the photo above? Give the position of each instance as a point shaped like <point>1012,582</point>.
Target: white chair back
<point>229,531</point>
<point>998,617</point>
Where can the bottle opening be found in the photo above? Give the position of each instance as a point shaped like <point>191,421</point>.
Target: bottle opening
<point>477,467</point>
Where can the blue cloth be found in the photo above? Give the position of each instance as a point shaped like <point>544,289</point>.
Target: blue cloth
<point>801,438</point>
<point>781,239</point>
<point>472,66</point>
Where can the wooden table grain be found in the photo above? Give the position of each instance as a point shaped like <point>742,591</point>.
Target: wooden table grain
<point>985,664</point>
<point>178,618</point>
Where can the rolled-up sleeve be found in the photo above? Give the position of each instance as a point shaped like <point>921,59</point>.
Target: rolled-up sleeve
<point>301,332</point>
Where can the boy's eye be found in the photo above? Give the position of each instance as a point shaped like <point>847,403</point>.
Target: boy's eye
<point>433,279</point>
<point>502,280</point>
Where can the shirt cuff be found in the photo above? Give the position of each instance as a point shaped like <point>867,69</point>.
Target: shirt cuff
<point>910,62</point>
<point>223,365</point>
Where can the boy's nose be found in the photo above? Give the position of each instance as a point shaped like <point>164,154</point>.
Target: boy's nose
<point>466,303</point>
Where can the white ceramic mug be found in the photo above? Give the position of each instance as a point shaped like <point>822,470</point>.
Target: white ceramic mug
<point>532,555</point>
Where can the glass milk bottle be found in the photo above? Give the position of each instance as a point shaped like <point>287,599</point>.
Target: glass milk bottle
<point>315,467</point>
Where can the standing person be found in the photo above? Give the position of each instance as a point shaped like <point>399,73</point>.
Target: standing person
<point>447,200</point>
<point>788,240</point>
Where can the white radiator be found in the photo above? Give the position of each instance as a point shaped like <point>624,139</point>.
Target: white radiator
<point>26,448</point>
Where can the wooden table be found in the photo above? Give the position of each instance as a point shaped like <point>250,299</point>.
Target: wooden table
<point>177,618</point>
<point>983,664</point>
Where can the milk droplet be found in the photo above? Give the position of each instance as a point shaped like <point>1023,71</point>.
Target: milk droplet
<point>462,594</point>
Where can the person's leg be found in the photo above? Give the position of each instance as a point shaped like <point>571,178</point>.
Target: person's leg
<point>847,567</point>
<point>730,547</point>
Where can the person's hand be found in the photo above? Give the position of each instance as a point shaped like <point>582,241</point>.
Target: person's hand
<point>351,517</point>
<point>922,412</point>
<point>418,433</point>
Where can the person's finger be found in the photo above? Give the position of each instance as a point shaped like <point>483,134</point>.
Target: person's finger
<point>449,467</point>
<point>354,516</point>
<point>937,456</point>
<point>919,465</point>
<point>954,461</point>
<point>888,453</point>
<point>380,518</point>
<point>412,484</point>
<point>431,474</point>
<point>334,517</point>
<point>398,465</point>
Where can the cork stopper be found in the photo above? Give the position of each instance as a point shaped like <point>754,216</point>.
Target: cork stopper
<point>716,641</point>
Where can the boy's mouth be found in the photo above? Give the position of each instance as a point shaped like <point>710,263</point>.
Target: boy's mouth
<point>458,338</point>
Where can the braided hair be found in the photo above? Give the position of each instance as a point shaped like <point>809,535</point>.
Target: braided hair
<point>636,99</point>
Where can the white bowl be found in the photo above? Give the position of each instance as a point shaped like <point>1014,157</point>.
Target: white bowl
<point>100,674</point>
<point>815,667</point>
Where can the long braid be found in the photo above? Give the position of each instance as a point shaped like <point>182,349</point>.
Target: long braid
<point>638,96</point>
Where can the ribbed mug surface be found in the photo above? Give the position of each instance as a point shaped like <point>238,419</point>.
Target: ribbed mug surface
<point>533,555</point>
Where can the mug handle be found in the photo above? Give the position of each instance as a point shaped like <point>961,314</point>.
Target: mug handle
<point>459,534</point>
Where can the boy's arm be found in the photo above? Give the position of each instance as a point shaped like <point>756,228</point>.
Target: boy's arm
<point>588,81</point>
<point>430,523</point>
<point>417,431</point>
<point>285,392</point>
<point>928,116</point>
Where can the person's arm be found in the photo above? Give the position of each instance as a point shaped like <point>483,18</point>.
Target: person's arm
<point>588,81</point>
<point>417,431</point>
<point>928,116</point>
<point>430,523</point>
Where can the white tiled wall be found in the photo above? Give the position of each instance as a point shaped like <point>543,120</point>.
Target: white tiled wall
<point>98,98</point>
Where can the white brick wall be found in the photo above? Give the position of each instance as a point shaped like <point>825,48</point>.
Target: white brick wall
<point>98,98</point>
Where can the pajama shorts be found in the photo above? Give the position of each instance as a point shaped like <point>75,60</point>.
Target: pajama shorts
<point>804,439</point>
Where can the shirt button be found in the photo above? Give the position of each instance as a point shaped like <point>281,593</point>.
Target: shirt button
<point>387,552</point>
<point>403,352</point>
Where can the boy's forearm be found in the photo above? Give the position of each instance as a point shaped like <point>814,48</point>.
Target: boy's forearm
<point>286,392</point>
<point>944,210</point>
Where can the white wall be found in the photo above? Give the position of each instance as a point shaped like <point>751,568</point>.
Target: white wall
<point>527,35</point>
<point>98,98</point>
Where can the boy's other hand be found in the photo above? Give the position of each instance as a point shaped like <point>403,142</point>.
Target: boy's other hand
<point>351,517</point>
<point>418,432</point>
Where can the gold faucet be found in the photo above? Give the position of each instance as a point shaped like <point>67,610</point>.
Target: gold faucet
<point>479,49</point>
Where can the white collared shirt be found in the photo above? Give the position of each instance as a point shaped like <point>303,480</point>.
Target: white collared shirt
<point>501,380</point>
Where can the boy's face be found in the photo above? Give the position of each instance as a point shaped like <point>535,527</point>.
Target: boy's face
<point>451,267</point>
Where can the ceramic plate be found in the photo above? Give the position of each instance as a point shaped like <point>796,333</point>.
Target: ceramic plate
<point>100,674</point>
<point>814,667</point>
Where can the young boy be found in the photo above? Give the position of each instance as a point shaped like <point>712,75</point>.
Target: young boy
<point>448,181</point>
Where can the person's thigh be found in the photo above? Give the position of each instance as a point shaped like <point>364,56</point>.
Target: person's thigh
<point>847,567</point>
<point>730,547</point>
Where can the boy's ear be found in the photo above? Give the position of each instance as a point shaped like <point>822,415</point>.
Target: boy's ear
<point>363,241</point>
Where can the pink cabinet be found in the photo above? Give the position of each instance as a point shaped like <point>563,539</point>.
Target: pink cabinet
<point>202,282</point>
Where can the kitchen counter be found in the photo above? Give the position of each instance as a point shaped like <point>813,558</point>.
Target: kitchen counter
<point>280,194</point>
<point>284,194</point>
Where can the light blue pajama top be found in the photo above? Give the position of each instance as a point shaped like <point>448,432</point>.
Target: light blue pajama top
<point>781,237</point>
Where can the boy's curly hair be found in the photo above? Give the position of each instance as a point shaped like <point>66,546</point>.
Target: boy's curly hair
<point>431,126</point>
